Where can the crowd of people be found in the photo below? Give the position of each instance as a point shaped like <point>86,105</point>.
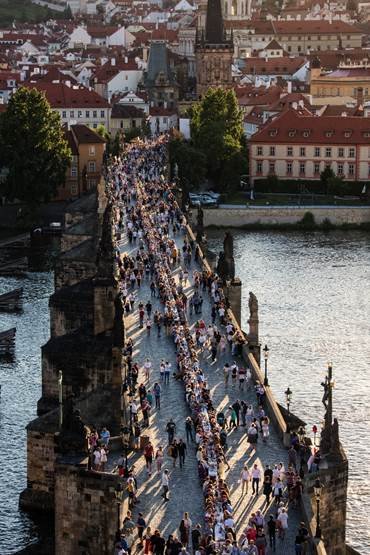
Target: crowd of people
<point>146,208</point>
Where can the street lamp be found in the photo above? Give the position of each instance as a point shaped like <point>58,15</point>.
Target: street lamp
<point>125,435</point>
<point>266,351</point>
<point>288,397</point>
<point>118,492</point>
<point>317,488</point>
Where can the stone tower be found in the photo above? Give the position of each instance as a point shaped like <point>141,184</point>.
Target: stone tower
<point>213,52</point>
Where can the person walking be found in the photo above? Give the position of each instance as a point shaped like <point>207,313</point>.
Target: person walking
<point>159,456</point>
<point>171,430</point>
<point>167,372</point>
<point>189,429</point>
<point>157,395</point>
<point>271,531</point>
<point>148,454</point>
<point>140,525</point>
<point>147,368</point>
<point>196,536</point>
<point>165,483</point>
<point>173,452</point>
<point>256,476</point>
<point>181,448</point>
<point>282,520</point>
<point>245,478</point>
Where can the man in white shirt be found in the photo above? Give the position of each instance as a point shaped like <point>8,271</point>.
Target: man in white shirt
<point>165,482</point>
<point>256,476</point>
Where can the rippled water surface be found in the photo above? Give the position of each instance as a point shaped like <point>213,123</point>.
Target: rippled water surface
<point>21,388</point>
<point>314,307</point>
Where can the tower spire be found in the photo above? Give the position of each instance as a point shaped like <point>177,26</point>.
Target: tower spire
<point>214,23</point>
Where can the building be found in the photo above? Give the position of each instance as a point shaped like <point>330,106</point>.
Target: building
<point>296,37</point>
<point>75,104</point>
<point>213,52</point>
<point>117,76</point>
<point>345,81</point>
<point>85,169</point>
<point>299,146</point>
<point>125,117</point>
<point>159,80</point>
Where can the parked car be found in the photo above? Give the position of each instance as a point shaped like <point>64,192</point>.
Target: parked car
<point>202,199</point>
<point>212,194</point>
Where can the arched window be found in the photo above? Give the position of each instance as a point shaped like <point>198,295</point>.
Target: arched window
<point>234,7</point>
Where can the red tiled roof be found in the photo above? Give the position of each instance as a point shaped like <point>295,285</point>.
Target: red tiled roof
<point>106,72</point>
<point>156,111</point>
<point>277,66</point>
<point>61,96</point>
<point>291,127</point>
<point>315,27</point>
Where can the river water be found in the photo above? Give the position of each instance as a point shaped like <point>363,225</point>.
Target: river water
<point>314,307</point>
<point>21,389</point>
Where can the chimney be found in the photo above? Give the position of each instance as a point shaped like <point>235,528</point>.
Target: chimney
<point>126,60</point>
<point>289,87</point>
<point>113,62</point>
<point>344,114</point>
<point>301,103</point>
<point>294,105</point>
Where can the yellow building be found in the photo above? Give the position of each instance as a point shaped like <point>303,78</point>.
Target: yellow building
<point>342,82</point>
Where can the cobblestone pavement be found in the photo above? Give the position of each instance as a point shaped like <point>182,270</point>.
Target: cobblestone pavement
<point>186,494</point>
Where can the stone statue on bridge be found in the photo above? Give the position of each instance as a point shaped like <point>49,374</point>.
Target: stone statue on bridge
<point>253,321</point>
<point>73,435</point>
<point>200,225</point>
<point>226,263</point>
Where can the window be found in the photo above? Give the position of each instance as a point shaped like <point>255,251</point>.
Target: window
<point>302,167</point>
<point>272,167</point>
<point>259,167</point>
<point>340,169</point>
<point>272,151</point>
<point>317,151</point>
<point>289,168</point>
<point>164,120</point>
<point>79,114</point>
<point>87,113</point>
<point>91,183</point>
<point>340,152</point>
<point>95,125</point>
<point>328,152</point>
<point>73,171</point>
<point>91,150</point>
<point>368,171</point>
<point>351,170</point>
<point>95,113</point>
<point>64,114</point>
<point>259,151</point>
<point>302,151</point>
<point>316,168</point>
<point>92,167</point>
<point>299,48</point>
<point>289,151</point>
<point>102,113</point>
<point>351,153</point>
<point>72,114</point>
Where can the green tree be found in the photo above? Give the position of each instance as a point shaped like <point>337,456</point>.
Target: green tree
<point>217,131</point>
<point>191,163</point>
<point>68,12</point>
<point>33,148</point>
<point>325,175</point>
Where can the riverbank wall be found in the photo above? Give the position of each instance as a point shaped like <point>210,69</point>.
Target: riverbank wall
<point>284,216</point>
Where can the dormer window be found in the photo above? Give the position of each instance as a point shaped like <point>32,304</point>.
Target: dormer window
<point>292,133</point>
<point>347,133</point>
<point>366,134</point>
<point>306,133</point>
<point>273,132</point>
<point>329,133</point>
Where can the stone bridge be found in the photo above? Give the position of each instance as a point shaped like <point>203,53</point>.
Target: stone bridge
<point>83,368</point>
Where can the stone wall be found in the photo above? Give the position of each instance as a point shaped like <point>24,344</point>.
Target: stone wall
<point>239,217</point>
<point>333,505</point>
<point>86,514</point>
<point>41,458</point>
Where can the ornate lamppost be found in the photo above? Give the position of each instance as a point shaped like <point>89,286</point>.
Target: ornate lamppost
<point>266,352</point>
<point>118,492</point>
<point>125,435</point>
<point>288,398</point>
<point>317,488</point>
